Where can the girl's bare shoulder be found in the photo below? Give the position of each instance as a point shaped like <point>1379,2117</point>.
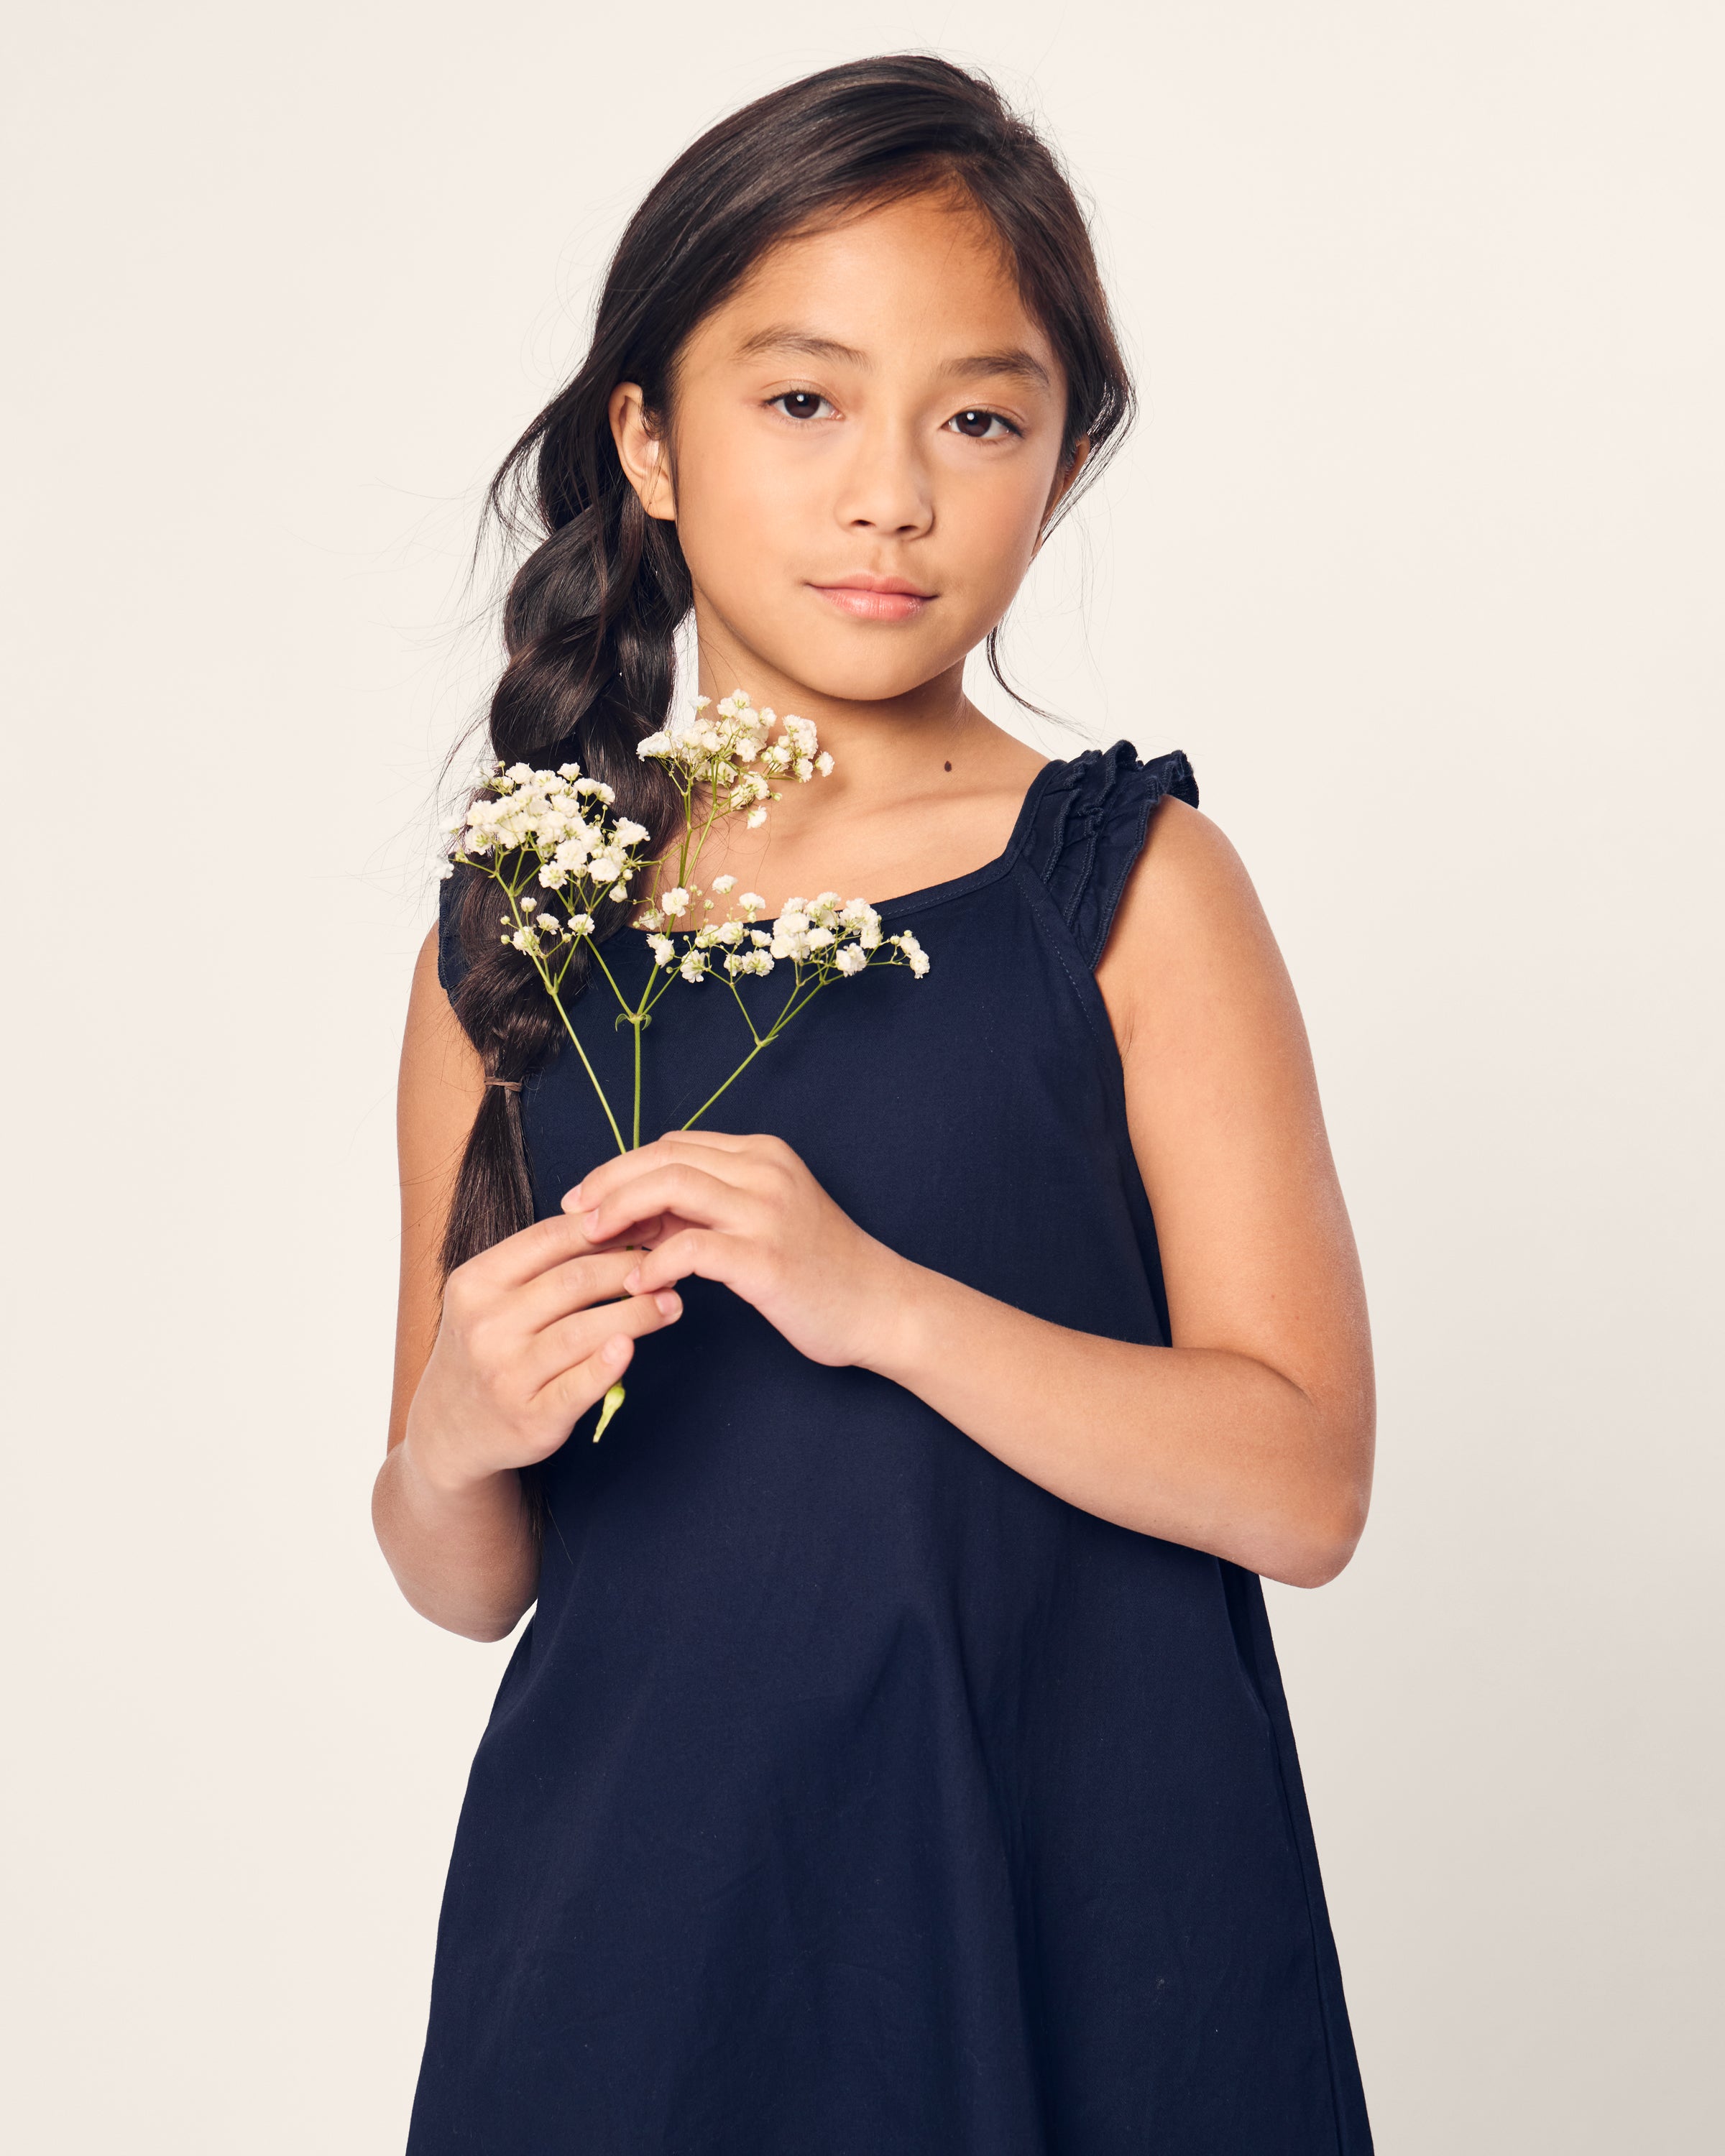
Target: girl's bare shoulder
<point>1190,959</point>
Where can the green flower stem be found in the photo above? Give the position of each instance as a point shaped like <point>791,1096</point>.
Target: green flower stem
<point>635,1139</point>
<point>567,1027</point>
<point>551,988</point>
<point>735,1075</point>
<point>794,1003</point>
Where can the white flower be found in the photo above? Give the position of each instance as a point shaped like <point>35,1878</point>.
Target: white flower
<point>751,903</point>
<point>851,959</point>
<point>804,768</point>
<point>663,949</point>
<point>605,868</point>
<point>723,884</point>
<point>694,965</point>
<point>824,762</point>
<point>755,818</point>
<point>581,924</point>
<point>628,833</point>
<point>528,904</point>
<point>657,744</point>
<point>749,962</point>
<point>913,951</point>
<point>445,868</point>
<point>675,903</point>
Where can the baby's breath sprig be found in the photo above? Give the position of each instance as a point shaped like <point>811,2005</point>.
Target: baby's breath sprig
<point>554,829</point>
<point>550,842</point>
<point>821,940</point>
<point>725,766</point>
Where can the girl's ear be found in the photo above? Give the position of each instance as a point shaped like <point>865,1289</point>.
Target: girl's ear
<point>1063,481</point>
<point>641,451</point>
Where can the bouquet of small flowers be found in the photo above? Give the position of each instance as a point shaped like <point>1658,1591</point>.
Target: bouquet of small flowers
<point>550,842</point>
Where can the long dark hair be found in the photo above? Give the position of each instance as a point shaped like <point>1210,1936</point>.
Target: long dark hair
<point>591,617</point>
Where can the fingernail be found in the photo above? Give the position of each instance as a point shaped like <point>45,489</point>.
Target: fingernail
<point>669,1304</point>
<point>615,1349</point>
<point>571,1200</point>
<point>590,1221</point>
<point>632,1279</point>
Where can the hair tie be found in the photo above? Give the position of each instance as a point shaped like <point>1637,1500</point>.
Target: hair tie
<point>509,1085</point>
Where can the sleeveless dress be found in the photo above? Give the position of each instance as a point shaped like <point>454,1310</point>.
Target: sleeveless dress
<point>848,1793</point>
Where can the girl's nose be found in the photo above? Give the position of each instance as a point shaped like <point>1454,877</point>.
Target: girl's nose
<point>887,490</point>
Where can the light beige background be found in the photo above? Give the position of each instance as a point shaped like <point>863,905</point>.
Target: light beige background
<point>1418,553</point>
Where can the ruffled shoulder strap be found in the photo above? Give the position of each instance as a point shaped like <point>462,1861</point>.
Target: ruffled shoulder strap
<point>1091,818</point>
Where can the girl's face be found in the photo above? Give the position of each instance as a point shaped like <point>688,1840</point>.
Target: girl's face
<point>866,438</point>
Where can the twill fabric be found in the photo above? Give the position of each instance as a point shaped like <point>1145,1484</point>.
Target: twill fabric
<point>848,1794</point>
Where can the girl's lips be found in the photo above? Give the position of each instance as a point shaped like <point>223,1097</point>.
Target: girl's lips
<point>865,602</point>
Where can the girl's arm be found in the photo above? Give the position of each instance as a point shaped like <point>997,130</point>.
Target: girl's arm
<point>1251,1436</point>
<point>492,1371</point>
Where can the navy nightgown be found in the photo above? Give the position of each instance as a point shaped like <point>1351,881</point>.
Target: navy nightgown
<point>848,1793</point>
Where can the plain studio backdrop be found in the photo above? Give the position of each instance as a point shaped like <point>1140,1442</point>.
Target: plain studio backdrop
<point>1417,552</point>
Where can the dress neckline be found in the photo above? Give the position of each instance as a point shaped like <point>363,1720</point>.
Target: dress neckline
<point>937,893</point>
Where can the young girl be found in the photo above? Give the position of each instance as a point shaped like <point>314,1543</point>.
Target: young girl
<point>896,1759</point>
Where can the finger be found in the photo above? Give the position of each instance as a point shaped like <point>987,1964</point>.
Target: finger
<point>716,1140</point>
<point>606,1176</point>
<point>691,1192</point>
<point>529,1251</point>
<point>574,1343</point>
<point>698,1251</point>
<point>577,1283</point>
<point>757,1144</point>
<point>569,1396</point>
<point>714,1146</point>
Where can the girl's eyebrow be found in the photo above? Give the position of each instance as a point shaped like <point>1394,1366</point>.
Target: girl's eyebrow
<point>779,339</point>
<point>1014,363</point>
<point>1021,366</point>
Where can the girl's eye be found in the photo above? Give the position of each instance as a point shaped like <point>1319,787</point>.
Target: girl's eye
<point>800,404</point>
<point>980,426</point>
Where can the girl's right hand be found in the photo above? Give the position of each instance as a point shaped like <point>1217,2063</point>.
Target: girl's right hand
<point>534,1331</point>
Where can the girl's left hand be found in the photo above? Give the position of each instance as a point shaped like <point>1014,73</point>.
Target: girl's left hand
<point>745,1211</point>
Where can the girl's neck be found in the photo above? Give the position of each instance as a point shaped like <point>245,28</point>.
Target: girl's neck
<point>923,787</point>
<point>884,751</point>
